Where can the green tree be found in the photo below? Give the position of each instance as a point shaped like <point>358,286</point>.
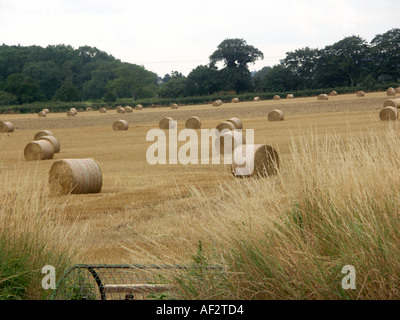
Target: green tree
<point>132,81</point>
<point>70,71</point>
<point>259,77</point>
<point>95,88</point>
<point>238,79</point>
<point>203,80</point>
<point>166,77</point>
<point>7,98</point>
<point>279,79</point>
<point>91,54</point>
<point>345,63</point>
<point>386,54</point>
<point>174,88</point>
<point>12,60</point>
<point>109,97</point>
<point>303,63</point>
<point>68,92</point>
<point>89,69</point>
<point>176,75</point>
<point>59,54</point>
<point>46,74</point>
<point>236,55</point>
<point>24,88</point>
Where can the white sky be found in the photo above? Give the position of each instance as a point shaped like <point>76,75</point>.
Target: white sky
<point>179,35</point>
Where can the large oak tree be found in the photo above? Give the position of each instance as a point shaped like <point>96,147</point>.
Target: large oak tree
<point>236,55</point>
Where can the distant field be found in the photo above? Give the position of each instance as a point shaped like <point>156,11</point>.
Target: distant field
<point>141,204</point>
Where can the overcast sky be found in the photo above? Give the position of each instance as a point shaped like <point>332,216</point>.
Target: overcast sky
<point>179,35</point>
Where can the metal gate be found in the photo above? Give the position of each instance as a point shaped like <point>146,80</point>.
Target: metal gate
<point>119,282</point>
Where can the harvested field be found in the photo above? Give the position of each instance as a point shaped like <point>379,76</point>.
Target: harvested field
<point>242,110</point>
<point>139,201</point>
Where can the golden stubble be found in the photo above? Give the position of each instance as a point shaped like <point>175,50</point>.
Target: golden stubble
<point>148,212</point>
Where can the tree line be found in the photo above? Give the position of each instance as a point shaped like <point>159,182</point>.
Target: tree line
<point>62,73</point>
<point>349,62</point>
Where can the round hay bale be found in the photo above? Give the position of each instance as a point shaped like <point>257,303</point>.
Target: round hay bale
<point>75,176</point>
<point>193,123</point>
<point>103,110</point>
<point>388,113</point>
<point>128,109</point>
<point>225,125</point>
<point>174,106</point>
<point>89,109</point>
<point>276,97</point>
<point>290,96</point>
<point>53,140</point>
<point>261,161</point>
<point>120,125</point>
<point>39,150</point>
<point>333,93</point>
<point>235,100</point>
<point>71,113</point>
<point>236,138</point>
<point>360,93</point>
<point>164,123</point>
<point>322,96</point>
<point>392,103</point>
<point>6,126</point>
<point>42,114</point>
<point>257,99</point>
<point>121,110</point>
<point>390,93</point>
<point>217,103</point>
<point>138,107</point>
<point>276,115</point>
<point>237,123</point>
<point>397,90</point>
<point>46,110</point>
<point>119,107</point>
<point>43,133</point>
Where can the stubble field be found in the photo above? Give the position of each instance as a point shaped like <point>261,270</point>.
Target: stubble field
<point>149,212</point>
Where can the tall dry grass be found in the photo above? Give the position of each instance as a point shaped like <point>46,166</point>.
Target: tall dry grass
<point>33,233</point>
<point>335,202</point>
